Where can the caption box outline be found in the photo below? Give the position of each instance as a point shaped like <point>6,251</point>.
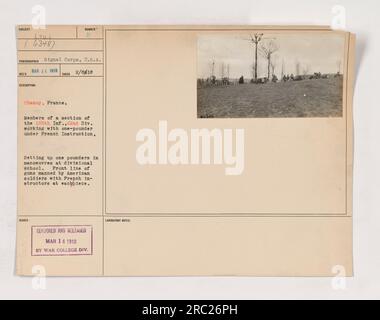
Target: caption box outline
<point>62,255</point>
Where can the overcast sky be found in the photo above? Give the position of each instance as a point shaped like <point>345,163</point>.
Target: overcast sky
<point>316,52</point>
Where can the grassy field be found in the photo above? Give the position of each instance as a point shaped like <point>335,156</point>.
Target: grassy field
<point>307,98</point>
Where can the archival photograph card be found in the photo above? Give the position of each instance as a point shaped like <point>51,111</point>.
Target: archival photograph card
<point>184,150</point>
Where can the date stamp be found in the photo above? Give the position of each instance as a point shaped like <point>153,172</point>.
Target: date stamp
<point>62,240</point>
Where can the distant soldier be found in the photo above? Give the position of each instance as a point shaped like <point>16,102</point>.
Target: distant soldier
<point>241,80</point>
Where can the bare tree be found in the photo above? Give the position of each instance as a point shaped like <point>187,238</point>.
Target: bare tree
<point>283,69</point>
<point>222,70</point>
<point>253,70</point>
<point>298,68</point>
<point>267,50</point>
<point>306,70</point>
<point>255,40</point>
<point>338,65</point>
<point>212,69</point>
<point>273,65</point>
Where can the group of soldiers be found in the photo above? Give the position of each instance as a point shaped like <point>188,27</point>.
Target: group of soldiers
<point>285,78</point>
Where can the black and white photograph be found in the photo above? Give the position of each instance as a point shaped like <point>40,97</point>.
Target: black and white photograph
<point>264,75</point>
